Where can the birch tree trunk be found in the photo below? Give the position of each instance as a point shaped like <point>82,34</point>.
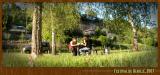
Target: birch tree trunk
<point>53,44</point>
<point>135,36</point>
<point>36,28</point>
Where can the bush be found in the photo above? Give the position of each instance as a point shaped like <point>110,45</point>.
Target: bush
<point>148,41</point>
<point>73,32</point>
<point>68,39</point>
<point>103,39</point>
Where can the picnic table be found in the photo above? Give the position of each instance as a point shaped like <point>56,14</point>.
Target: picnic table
<point>81,48</point>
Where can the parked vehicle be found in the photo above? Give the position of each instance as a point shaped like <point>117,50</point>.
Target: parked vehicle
<point>45,48</point>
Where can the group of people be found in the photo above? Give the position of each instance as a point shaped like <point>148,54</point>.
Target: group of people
<point>78,48</point>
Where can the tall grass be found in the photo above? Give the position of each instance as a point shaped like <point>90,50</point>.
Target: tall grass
<point>114,59</point>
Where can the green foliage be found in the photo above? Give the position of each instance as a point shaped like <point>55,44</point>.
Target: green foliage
<point>64,20</point>
<point>73,32</point>
<point>126,37</point>
<point>90,12</point>
<point>60,18</point>
<point>103,39</point>
<point>99,32</point>
<point>29,27</point>
<point>148,41</point>
<point>15,15</point>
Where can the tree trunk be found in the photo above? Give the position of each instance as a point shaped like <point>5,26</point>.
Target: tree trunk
<point>36,33</point>
<point>135,36</point>
<point>135,39</point>
<point>53,44</point>
<point>36,30</point>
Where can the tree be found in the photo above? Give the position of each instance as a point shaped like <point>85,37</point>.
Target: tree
<point>104,40</point>
<point>15,15</point>
<point>134,14</point>
<point>36,28</point>
<point>59,17</point>
<point>131,12</point>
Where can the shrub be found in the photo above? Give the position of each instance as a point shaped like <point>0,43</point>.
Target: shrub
<point>103,39</point>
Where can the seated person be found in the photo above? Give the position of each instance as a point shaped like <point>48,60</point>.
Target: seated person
<point>73,46</point>
<point>87,45</point>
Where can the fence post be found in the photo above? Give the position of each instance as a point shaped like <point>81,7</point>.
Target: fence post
<point>53,44</point>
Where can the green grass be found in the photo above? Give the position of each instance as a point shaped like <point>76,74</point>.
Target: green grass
<point>114,59</point>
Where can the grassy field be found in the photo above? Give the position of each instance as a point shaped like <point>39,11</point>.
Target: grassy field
<point>114,59</point>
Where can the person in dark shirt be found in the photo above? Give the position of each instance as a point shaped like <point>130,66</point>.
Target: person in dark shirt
<point>87,43</point>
